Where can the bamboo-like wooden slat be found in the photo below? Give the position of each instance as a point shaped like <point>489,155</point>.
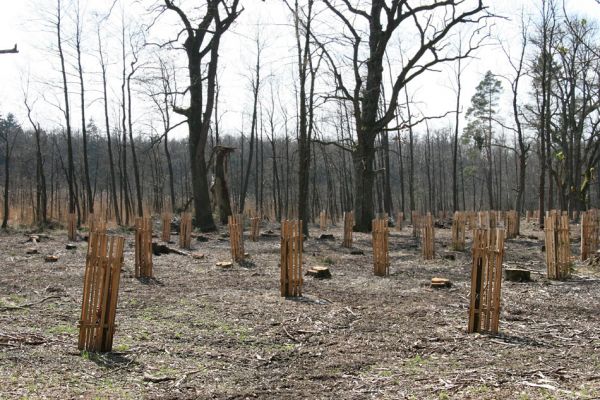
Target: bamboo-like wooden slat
<point>166,227</point>
<point>100,292</point>
<point>486,280</point>
<point>428,238</point>
<point>458,231</point>
<point>185,231</point>
<point>72,227</point>
<point>291,258</point>
<point>381,258</point>
<point>348,228</point>
<point>143,248</point>
<point>254,228</point>
<point>236,237</point>
<point>589,233</point>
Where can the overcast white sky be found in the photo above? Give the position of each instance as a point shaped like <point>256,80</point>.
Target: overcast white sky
<point>22,22</point>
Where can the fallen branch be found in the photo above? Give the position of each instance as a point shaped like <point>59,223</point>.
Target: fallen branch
<point>187,375</point>
<point>10,308</point>
<point>157,379</point>
<point>289,334</point>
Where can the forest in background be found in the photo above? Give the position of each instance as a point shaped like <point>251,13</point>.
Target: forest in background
<point>543,153</point>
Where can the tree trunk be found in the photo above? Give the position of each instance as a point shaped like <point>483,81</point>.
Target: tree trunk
<point>113,184</point>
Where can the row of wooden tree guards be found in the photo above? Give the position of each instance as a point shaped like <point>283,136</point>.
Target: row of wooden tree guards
<point>105,258</point>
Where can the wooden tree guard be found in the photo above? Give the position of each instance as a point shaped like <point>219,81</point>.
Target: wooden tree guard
<point>415,219</point>
<point>399,221</point>
<point>323,220</point>
<point>291,258</point>
<point>472,220</point>
<point>381,259</point>
<point>486,280</point>
<point>458,231</point>
<point>72,227</point>
<point>512,224</point>
<point>558,247</point>
<point>254,228</point>
<point>100,292</point>
<point>236,237</point>
<point>348,226</point>
<point>143,248</point>
<point>185,231</point>
<point>96,223</point>
<point>589,233</point>
<point>428,239</point>
<point>529,215</point>
<point>166,227</point>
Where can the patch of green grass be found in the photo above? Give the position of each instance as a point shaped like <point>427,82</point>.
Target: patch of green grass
<point>122,347</point>
<point>415,361</point>
<point>63,330</point>
<point>385,373</point>
<point>443,395</point>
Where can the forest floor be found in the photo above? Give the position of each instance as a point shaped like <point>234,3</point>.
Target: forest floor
<point>200,331</point>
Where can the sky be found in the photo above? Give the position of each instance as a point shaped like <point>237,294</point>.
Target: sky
<point>25,23</point>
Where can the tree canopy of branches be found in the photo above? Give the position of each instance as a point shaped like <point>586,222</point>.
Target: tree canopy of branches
<point>433,22</point>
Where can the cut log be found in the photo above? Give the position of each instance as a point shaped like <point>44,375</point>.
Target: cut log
<point>158,249</point>
<point>269,234</point>
<point>517,275</point>
<point>32,251</point>
<point>70,246</point>
<point>357,252</point>
<point>319,272</point>
<point>225,264</point>
<point>197,256</point>
<point>440,283</point>
<point>51,258</point>
<point>449,256</point>
<point>326,236</point>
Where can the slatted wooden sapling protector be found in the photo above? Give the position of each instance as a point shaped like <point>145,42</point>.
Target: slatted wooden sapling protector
<point>415,219</point>
<point>166,227</point>
<point>323,220</point>
<point>185,231</point>
<point>428,238</point>
<point>589,233</point>
<point>458,231</point>
<point>529,215</point>
<point>100,292</point>
<point>143,248</point>
<point>558,246</point>
<point>512,224</point>
<point>236,237</point>
<point>254,228</point>
<point>72,227</point>
<point>348,227</point>
<point>486,281</point>
<point>381,258</point>
<point>399,221</point>
<point>291,258</point>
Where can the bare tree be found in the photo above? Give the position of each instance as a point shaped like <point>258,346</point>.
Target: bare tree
<point>382,20</point>
<point>202,47</point>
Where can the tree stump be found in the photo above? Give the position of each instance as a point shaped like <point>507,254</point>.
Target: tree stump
<point>440,283</point>
<point>319,272</point>
<point>517,275</point>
